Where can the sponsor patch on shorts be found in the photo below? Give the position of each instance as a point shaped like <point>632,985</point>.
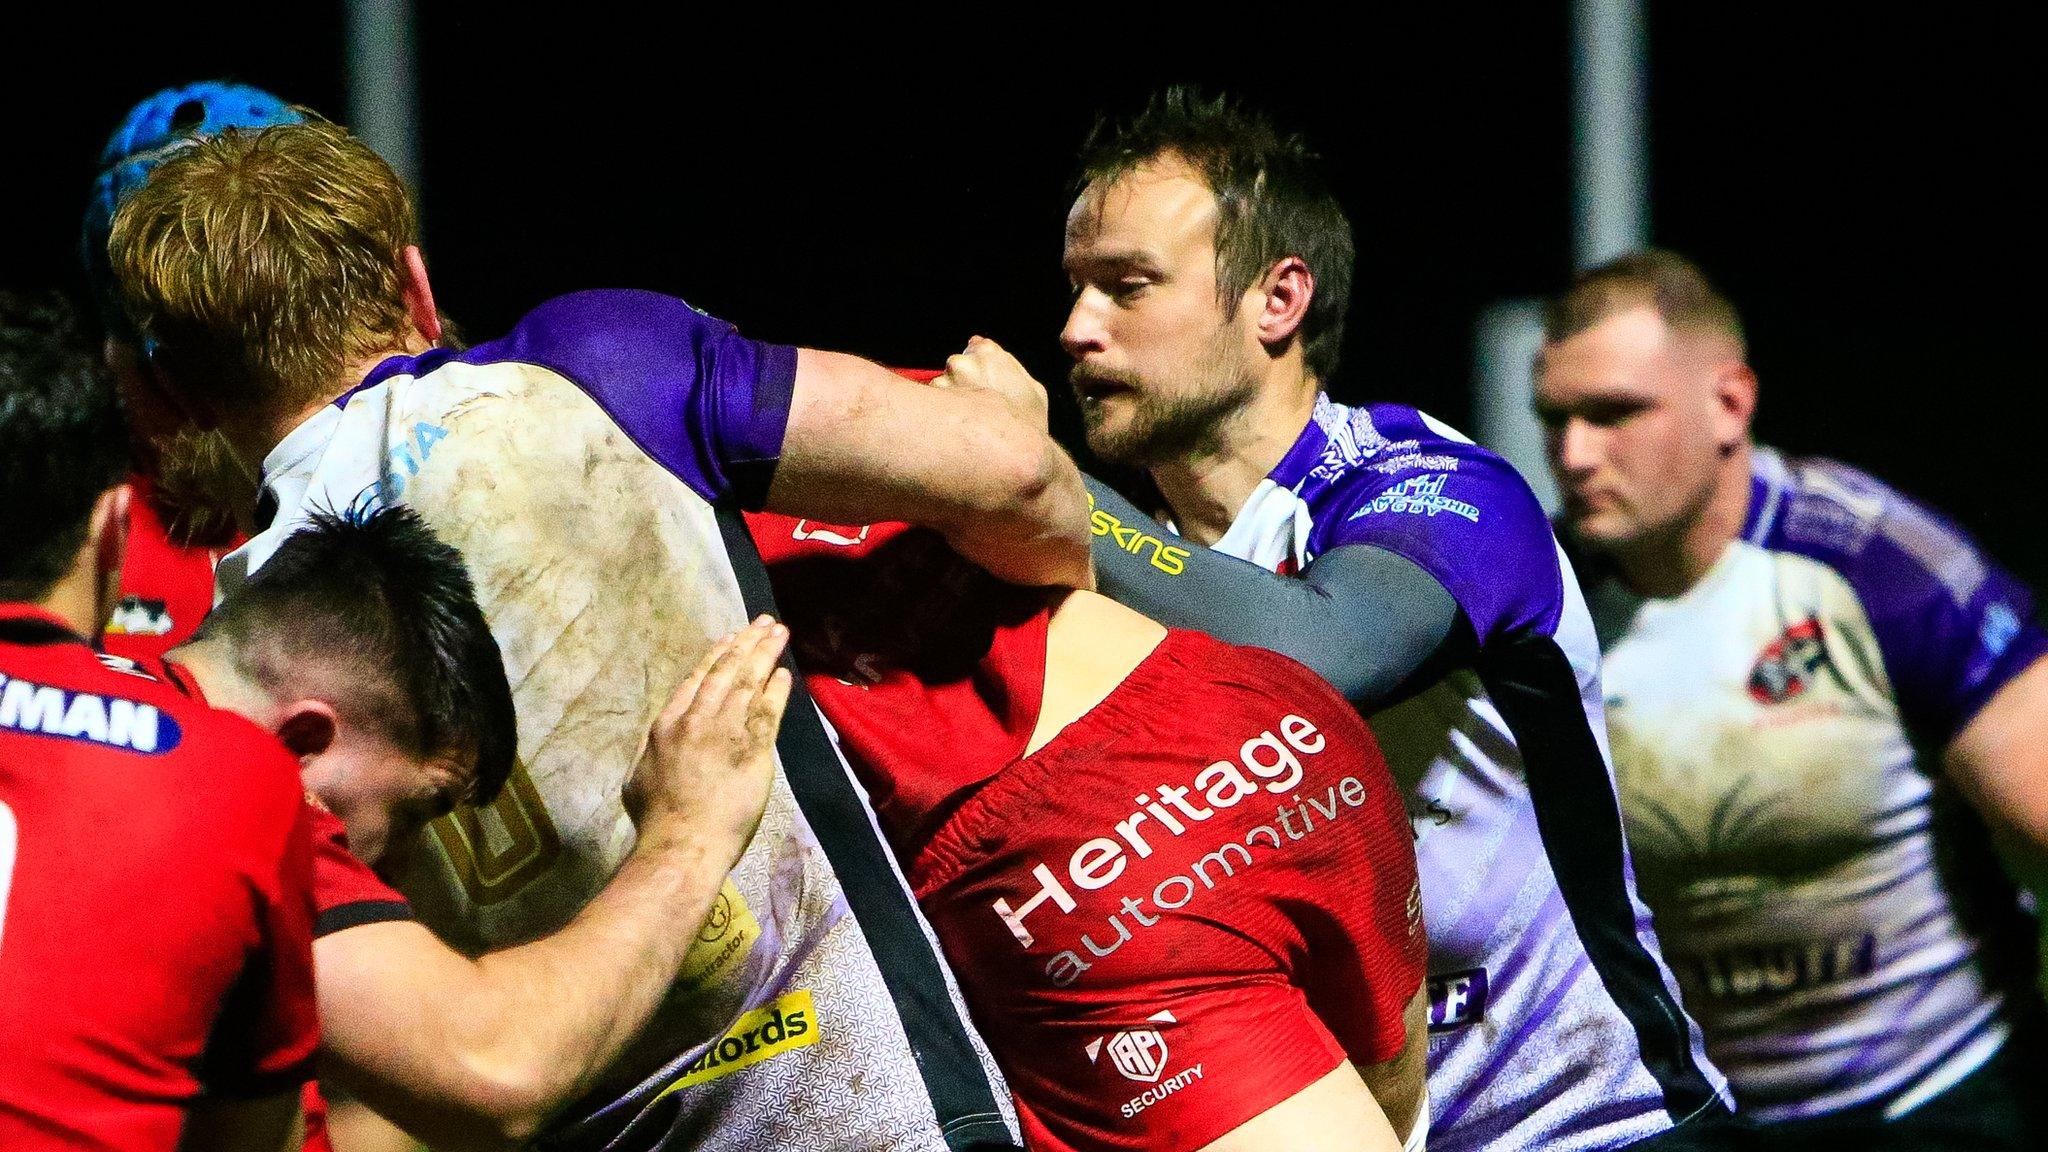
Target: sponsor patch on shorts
<point>782,1025</point>
<point>722,944</point>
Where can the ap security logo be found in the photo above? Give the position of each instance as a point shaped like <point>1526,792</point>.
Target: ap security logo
<point>1141,1054</point>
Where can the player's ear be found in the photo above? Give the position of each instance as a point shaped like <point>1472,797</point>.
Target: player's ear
<point>419,294</point>
<point>307,728</point>
<point>110,527</point>
<point>1282,298</point>
<point>1734,402</point>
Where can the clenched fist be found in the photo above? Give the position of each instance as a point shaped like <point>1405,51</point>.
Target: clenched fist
<point>984,364</point>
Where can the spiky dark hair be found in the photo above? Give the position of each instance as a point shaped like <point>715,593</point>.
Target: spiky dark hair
<point>63,440</point>
<point>379,597</point>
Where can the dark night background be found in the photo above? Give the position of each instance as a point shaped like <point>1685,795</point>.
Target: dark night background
<point>1856,183</point>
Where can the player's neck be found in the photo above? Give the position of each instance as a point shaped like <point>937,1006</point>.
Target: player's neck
<point>1208,486</point>
<point>76,601</point>
<point>1670,564</point>
<point>255,438</point>
<point>221,683</point>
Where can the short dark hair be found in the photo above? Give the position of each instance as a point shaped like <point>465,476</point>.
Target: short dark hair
<point>63,440</point>
<point>1663,280</point>
<point>378,599</point>
<point>1272,198</point>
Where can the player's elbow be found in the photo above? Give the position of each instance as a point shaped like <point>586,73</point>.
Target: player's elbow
<point>507,1102</point>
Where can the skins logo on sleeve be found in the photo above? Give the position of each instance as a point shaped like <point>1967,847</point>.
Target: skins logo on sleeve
<point>42,710</point>
<point>1168,558</point>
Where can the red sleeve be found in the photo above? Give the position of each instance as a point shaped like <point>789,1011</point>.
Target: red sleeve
<point>264,1039</point>
<point>346,892</point>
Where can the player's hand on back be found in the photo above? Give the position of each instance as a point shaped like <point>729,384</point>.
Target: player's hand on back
<point>987,365</point>
<point>703,777</point>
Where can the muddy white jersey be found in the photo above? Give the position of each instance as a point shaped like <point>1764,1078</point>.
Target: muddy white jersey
<point>1553,1022</point>
<point>575,463</point>
<point>1837,924</point>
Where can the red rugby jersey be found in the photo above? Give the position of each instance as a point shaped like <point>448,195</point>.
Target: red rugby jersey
<point>156,912</point>
<point>166,588</point>
<point>345,891</point>
<point>930,667</point>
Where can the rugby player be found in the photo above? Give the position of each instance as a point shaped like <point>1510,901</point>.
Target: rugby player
<point>1819,694</point>
<point>361,647</point>
<point>580,464</point>
<point>1415,571</point>
<point>175,535</point>
<point>1124,837</point>
<point>156,966</point>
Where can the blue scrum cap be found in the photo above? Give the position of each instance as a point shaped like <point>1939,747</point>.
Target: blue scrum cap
<point>153,129</point>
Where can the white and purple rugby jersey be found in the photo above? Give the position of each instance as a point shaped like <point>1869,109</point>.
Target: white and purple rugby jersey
<point>1553,1023</point>
<point>575,463</point>
<point>1777,733</point>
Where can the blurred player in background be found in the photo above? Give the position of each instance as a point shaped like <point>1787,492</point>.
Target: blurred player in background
<point>580,465</point>
<point>156,967</point>
<point>176,529</point>
<point>1819,693</point>
<point>1106,822</point>
<point>1211,266</point>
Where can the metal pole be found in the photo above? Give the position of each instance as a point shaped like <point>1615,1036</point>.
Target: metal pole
<point>383,105</point>
<point>1610,216</point>
<point>1610,148</point>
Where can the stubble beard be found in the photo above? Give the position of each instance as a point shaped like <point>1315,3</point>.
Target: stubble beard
<point>1176,421</point>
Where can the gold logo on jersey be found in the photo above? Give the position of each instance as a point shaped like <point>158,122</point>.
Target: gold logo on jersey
<point>728,935</point>
<point>503,846</point>
<point>782,1025</point>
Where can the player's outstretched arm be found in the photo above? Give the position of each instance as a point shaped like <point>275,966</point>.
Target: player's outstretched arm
<point>1364,618</point>
<point>479,1053</point>
<point>1334,1114</point>
<point>865,445</point>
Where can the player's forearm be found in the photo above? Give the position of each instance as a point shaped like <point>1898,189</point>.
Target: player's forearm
<point>1364,619</point>
<point>864,445</point>
<point>552,1015</point>
<point>1033,528</point>
<point>480,1054</point>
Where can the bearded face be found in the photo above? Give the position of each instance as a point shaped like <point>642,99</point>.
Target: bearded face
<point>1160,357</point>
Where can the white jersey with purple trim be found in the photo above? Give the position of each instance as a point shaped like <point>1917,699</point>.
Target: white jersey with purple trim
<point>1553,1022</point>
<point>573,463</point>
<point>1837,924</point>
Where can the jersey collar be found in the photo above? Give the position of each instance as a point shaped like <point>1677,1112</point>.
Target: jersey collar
<point>1768,479</point>
<point>1308,449</point>
<point>31,626</point>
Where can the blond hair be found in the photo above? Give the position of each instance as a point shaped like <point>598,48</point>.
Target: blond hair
<point>1666,281</point>
<point>262,264</point>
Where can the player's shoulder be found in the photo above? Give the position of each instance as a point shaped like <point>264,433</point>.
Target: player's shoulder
<point>1394,477</point>
<point>599,316</point>
<point>1372,458</point>
<point>784,539</point>
<point>1876,537</point>
<point>132,710</point>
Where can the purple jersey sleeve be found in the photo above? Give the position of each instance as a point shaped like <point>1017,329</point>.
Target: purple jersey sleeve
<point>1953,627</point>
<point>703,401</point>
<point>1461,514</point>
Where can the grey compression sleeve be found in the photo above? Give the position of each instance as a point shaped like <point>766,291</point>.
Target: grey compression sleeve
<point>1364,618</point>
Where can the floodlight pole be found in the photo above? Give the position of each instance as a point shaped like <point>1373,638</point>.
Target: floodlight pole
<point>383,102</point>
<point>1610,216</point>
